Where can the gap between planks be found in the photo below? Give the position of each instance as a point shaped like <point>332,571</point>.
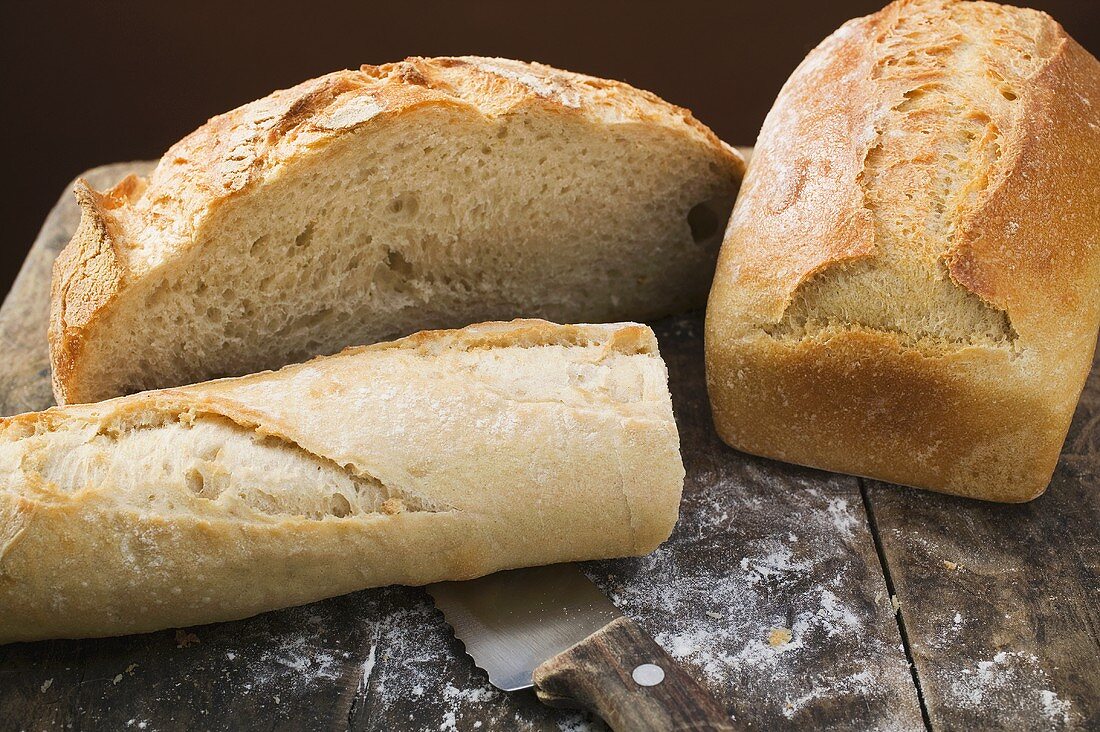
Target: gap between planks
<point>884,565</point>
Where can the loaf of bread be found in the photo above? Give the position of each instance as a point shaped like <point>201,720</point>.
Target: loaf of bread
<point>369,204</point>
<point>909,288</point>
<point>445,455</point>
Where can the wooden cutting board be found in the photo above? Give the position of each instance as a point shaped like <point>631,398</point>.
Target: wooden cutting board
<point>802,599</point>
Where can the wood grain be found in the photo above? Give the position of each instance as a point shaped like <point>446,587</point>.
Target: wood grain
<point>597,674</point>
<point>1001,603</point>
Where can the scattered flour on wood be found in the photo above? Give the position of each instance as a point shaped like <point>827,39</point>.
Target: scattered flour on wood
<point>948,632</point>
<point>475,695</point>
<point>1054,709</point>
<point>844,519</point>
<point>1010,680</point>
<point>292,662</point>
<point>829,687</point>
<point>418,670</point>
<point>713,595</point>
<point>772,566</point>
<point>368,667</point>
<point>303,659</point>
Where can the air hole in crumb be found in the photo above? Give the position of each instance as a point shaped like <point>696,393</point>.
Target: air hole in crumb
<point>314,320</point>
<point>1008,94</point>
<point>305,237</point>
<point>406,203</point>
<point>703,222</point>
<point>397,263</point>
<point>195,482</point>
<point>257,244</point>
<point>340,507</point>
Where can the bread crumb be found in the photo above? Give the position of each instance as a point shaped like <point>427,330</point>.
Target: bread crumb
<point>46,684</point>
<point>713,615</point>
<point>779,636</point>
<point>185,639</point>
<point>392,506</point>
<point>895,603</point>
<point>118,678</point>
<point>952,565</point>
<point>130,668</point>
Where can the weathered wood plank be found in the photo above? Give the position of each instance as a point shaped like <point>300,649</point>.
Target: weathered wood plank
<point>1001,604</point>
<point>765,548</point>
<point>769,592</point>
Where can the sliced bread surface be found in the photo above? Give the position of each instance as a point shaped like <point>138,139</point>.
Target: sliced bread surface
<point>369,204</point>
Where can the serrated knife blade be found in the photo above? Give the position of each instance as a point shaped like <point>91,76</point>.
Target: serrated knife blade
<point>552,629</point>
<point>512,621</point>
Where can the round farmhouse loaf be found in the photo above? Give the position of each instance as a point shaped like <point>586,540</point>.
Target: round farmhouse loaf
<point>369,204</point>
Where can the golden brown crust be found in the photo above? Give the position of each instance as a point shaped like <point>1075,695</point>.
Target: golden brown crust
<point>87,275</point>
<point>142,224</point>
<point>490,456</point>
<point>235,150</point>
<point>626,338</point>
<point>1028,251</point>
<point>983,419</point>
<point>807,213</point>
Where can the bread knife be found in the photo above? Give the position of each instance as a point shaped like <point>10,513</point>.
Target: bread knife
<point>552,629</point>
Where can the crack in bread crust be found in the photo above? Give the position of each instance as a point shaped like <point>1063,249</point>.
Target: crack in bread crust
<point>961,374</point>
<point>214,469</point>
<point>937,152</point>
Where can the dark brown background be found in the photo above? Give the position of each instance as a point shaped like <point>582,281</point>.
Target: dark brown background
<point>86,83</point>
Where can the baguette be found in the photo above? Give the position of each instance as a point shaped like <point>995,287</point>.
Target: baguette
<point>370,204</point>
<point>442,456</point>
<point>909,288</point>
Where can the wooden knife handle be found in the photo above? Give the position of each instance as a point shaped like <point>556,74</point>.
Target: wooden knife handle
<point>621,674</point>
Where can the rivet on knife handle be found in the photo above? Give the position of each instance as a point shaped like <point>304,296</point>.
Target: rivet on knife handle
<point>622,675</point>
